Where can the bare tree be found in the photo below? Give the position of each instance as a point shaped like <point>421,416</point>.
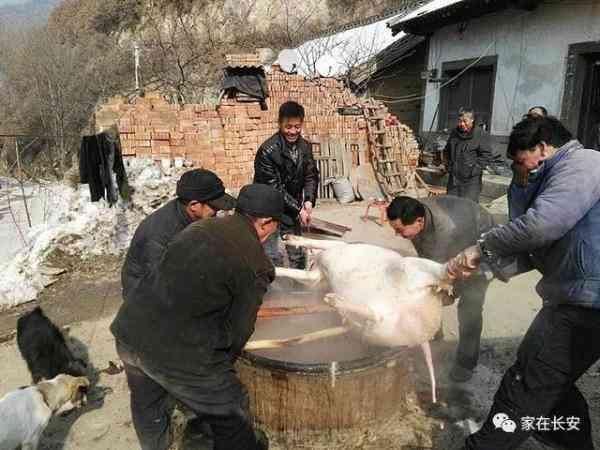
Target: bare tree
<point>51,87</point>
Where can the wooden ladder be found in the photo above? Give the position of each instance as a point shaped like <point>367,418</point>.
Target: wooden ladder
<point>390,163</point>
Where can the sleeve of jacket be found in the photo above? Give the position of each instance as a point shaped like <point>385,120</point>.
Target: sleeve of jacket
<point>248,289</point>
<point>119,169</point>
<point>446,151</point>
<point>265,172</point>
<point>485,154</point>
<point>83,162</point>
<point>143,256</point>
<point>311,177</point>
<point>572,189</point>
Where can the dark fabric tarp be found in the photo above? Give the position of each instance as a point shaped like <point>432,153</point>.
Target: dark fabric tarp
<point>247,80</point>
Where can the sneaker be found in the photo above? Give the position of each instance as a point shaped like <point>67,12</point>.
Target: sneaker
<point>459,374</point>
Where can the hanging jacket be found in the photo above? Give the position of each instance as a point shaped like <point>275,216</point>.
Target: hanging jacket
<point>99,157</point>
<point>297,180</point>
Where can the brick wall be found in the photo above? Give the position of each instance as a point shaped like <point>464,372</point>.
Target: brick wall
<point>224,138</point>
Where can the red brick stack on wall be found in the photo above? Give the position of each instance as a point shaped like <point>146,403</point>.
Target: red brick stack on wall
<point>225,137</point>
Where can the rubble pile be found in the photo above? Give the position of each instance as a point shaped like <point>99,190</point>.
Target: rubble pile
<point>77,227</point>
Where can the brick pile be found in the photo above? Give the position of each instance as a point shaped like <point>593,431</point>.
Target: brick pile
<point>224,138</point>
<point>243,60</point>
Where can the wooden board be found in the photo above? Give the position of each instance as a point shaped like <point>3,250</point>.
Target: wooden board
<point>329,227</point>
<point>335,158</point>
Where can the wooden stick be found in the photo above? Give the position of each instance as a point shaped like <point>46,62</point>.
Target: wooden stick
<point>279,311</point>
<point>302,339</point>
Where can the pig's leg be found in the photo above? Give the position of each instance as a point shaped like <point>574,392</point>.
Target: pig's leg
<point>342,306</point>
<point>317,244</point>
<point>308,277</point>
<point>429,360</point>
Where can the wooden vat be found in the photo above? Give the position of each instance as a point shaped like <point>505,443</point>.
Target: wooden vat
<point>294,397</point>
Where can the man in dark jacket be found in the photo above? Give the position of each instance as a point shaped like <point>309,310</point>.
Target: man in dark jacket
<point>285,161</point>
<point>200,194</point>
<point>180,332</point>
<point>438,228</point>
<point>466,154</point>
<point>558,235</point>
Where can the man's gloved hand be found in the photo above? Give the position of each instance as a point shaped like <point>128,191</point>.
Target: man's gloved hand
<point>465,263</point>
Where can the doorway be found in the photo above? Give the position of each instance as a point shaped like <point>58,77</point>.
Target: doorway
<point>589,123</point>
<point>473,88</point>
<point>581,99</point>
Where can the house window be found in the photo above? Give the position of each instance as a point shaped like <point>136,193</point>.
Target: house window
<point>474,88</point>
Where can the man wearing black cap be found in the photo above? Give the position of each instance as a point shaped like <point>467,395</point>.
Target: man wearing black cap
<point>200,194</point>
<point>180,332</point>
<point>285,161</point>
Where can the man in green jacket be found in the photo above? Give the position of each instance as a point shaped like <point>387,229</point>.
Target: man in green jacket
<point>181,330</point>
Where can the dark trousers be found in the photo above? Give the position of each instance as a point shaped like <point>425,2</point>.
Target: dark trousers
<point>470,320</point>
<point>470,190</point>
<point>295,254</point>
<point>152,400</point>
<point>560,345</point>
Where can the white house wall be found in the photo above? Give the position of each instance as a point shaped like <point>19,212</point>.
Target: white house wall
<point>531,48</point>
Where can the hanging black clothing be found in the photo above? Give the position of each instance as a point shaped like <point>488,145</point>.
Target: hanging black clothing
<point>99,157</point>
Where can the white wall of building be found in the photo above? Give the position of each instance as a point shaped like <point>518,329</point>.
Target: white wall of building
<point>532,49</point>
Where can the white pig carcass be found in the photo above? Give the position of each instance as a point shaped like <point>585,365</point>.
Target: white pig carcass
<point>390,299</point>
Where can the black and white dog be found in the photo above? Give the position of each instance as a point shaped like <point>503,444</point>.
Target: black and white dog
<point>44,349</point>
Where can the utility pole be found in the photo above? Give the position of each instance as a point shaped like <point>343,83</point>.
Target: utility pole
<point>136,50</point>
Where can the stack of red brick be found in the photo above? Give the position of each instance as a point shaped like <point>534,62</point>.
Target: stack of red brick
<point>243,60</point>
<point>225,137</point>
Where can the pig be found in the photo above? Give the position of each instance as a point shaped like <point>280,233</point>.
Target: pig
<point>391,300</point>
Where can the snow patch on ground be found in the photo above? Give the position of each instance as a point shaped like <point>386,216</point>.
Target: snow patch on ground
<point>76,226</point>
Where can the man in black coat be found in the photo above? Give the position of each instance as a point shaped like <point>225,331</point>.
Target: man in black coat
<point>437,227</point>
<point>180,332</point>
<point>466,154</point>
<point>200,194</point>
<point>285,161</point>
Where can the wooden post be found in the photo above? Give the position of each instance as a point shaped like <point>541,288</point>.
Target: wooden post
<point>20,180</point>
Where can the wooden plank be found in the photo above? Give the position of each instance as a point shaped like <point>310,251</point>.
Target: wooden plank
<point>329,227</point>
<point>339,158</point>
<point>267,312</point>
<point>332,225</point>
<point>347,158</point>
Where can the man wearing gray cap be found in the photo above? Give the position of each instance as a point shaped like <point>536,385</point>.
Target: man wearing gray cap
<point>180,332</point>
<point>200,195</point>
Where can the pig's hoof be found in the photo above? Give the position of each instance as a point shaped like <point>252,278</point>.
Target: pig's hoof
<point>332,300</point>
<point>291,239</point>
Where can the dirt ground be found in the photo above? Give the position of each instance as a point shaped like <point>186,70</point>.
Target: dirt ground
<point>87,297</point>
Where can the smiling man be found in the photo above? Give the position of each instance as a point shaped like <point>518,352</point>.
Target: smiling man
<point>285,161</point>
